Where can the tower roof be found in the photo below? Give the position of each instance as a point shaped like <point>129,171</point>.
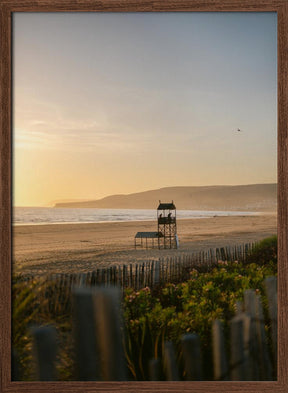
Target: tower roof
<point>148,235</point>
<point>166,206</point>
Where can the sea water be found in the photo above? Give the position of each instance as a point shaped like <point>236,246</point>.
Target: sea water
<point>51,215</point>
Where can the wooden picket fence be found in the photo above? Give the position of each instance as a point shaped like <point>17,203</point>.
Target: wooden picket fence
<point>99,350</point>
<point>150,273</point>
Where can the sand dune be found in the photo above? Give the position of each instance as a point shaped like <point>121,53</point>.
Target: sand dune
<point>255,197</point>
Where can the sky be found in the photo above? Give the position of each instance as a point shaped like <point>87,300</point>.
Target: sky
<point>116,103</point>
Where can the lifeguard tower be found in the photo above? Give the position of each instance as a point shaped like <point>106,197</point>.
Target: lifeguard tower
<point>167,227</point>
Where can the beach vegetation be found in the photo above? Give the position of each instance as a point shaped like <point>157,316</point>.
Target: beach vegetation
<point>168,312</point>
<point>152,316</point>
<point>264,252</point>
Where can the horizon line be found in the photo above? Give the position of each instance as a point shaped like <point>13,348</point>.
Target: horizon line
<point>76,200</point>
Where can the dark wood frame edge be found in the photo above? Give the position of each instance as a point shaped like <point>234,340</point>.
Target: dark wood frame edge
<point>7,8</point>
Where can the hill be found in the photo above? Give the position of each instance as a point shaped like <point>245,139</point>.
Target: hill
<point>253,197</point>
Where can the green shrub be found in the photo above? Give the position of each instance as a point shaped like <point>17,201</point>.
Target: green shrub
<point>188,307</point>
<point>264,252</point>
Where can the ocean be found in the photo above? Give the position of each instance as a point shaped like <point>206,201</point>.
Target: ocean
<point>50,215</point>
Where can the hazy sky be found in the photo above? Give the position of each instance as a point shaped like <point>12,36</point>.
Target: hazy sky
<point>118,103</point>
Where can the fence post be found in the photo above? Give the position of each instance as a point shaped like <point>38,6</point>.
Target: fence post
<point>250,309</point>
<point>87,352</point>
<point>156,275</point>
<point>142,283</point>
<point>108,322</point>
<point>136,277</point>
<point>120,280</point>
<point>170,364</point>
<point>124,276</point>
<point>250,364</point>
<point>130,275</point>
<point>151,267</point>
<point>97,278</point>
<point>237,350</point>
<point>114,275</point>
<point>191,351</point>
<point>266,366</point>
<point>271,292</point>
<point>219,352</point>
<point>93,278</point>
<point>45,351</point>
<point>82,279</point>
<point>253,306</point>
<point>103,276</point>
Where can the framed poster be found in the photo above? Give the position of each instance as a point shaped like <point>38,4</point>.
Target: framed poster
<point>140,151</point>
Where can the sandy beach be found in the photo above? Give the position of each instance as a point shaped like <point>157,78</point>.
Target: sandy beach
<point>65,248</point>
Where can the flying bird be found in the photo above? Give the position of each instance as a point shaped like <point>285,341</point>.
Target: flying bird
<point>238,129</point>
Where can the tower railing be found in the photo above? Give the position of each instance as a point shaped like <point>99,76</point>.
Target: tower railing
<point>166,220</point>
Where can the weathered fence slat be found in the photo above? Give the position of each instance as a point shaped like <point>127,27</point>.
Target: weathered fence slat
<point>237,361</point>
<point>271,291</point>
<point>156,276</point>
<point>219,352</point>
<point>251,366</point>
<point>266,367</point>
<point>253,307</point>
<point>108,329</point>
<point>87,353</point>
<point>170,364</point>
<point>250,309</point>
<point>191,350</point>
<point>45,351</point>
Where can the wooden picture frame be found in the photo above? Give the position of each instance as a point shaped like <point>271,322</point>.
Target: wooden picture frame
<point>10,6</point>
